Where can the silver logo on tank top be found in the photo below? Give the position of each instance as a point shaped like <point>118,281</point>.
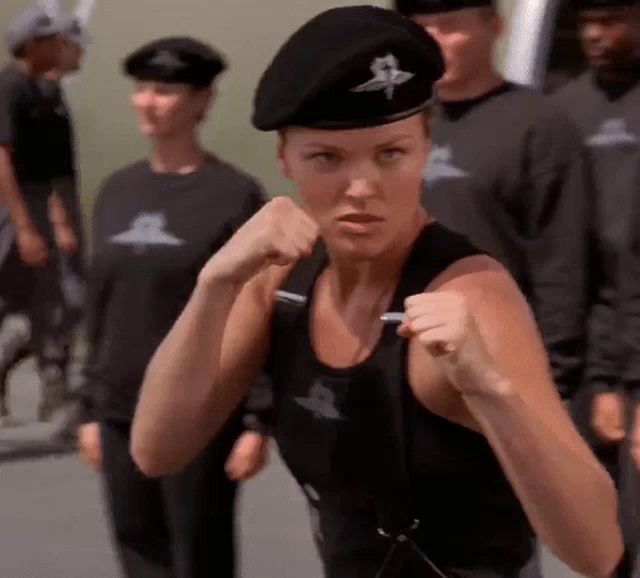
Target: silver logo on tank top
<point>321,402</point>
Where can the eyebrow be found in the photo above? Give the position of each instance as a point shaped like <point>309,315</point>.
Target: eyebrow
<point>394,141</point>
<point>389,142</point>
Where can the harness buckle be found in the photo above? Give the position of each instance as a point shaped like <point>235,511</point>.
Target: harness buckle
<point>400,535</point>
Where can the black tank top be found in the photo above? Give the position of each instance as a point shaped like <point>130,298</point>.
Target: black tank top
<point>338,432</point>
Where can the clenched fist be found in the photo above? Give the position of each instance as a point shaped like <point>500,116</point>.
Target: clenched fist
<point>445,326</point>
<point>279,234</point>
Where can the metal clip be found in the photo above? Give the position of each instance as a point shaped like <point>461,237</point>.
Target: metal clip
<point>402,535</point>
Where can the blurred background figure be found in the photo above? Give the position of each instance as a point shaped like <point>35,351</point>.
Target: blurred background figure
<point>506,171</point>
<point>32,136</point>
<point>155,223</point>
<point>605,104</point>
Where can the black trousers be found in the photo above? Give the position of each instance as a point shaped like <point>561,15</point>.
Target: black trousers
<point>180,526</point>
<point>51,298</point>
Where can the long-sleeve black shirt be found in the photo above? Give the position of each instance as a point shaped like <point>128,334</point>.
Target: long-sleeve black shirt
<point>507,170</point>
<point>608,116</point>
<point>152,234</point>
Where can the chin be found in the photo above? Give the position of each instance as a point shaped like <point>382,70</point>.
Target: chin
<point>357,249</point>
<point>149,130</point>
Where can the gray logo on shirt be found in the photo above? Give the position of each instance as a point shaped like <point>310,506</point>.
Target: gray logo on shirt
<point>440,166</point>
<point>612,132</point>
<point>321,402</point>
<point>147,229</point>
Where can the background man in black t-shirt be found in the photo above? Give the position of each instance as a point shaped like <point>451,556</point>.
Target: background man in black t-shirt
<point>30,131</point>
<point>605,104</point>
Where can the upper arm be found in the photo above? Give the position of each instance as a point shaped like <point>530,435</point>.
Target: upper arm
<point>7,114</point>
<point>245,343</point>
<point>509,331</point>
<point>507,325</point>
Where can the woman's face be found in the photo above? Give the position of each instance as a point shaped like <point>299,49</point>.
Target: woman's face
<point>167,109</point>
<point>361,186</point>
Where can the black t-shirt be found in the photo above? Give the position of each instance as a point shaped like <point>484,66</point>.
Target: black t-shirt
<point>33,127</point>
<point>60,130</point>
<point>608,116</point>
<point>153,233</point>
<point>507,170</point>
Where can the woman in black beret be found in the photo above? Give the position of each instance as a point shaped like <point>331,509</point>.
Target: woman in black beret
<point>413,401</point>
<point>155,224</point>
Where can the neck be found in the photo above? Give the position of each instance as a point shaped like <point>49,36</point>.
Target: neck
<point>626,73</point>
<point>180,154</point>
<point>470,88</point>
<point>346,277</point>
<point>54,75</point>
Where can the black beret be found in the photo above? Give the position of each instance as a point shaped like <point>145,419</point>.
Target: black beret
<point>175,60</point>
<point>602,4</point>
<point>413,7</point>
<point>349,67</point>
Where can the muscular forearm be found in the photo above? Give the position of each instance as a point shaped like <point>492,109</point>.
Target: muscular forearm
<point>10,192</point>
<point>175,416</point>
<point>569,499</point>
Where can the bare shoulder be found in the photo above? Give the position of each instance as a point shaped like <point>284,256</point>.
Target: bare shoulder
<point>501,310</point>
<point>507,326</point>
<point>481,279</point>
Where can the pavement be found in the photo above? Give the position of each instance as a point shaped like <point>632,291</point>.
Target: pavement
<point>52,523</point>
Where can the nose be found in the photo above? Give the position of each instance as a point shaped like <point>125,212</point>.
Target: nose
<point>143,97</point>
<point>360,189</point>
<point>592,32</point>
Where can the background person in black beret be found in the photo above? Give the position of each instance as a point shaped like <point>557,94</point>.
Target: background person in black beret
<point>605,104</point>
<point>155,224</point>
<point>412,392</point>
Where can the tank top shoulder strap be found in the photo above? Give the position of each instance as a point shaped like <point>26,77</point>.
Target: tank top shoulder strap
<point>434,251</point>
<point>299,283</point>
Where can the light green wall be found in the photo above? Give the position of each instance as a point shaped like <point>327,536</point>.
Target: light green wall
<point>247,31</point>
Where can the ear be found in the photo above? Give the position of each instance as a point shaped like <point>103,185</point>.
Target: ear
<point>205,98</point>
<point>209,95</point>
<point>281,160</point>
<point>83,11</point>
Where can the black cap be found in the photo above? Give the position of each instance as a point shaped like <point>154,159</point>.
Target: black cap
<point>602,4</point>
<point>349,67</point>
<point>414,7</point>
<point>175,60</point>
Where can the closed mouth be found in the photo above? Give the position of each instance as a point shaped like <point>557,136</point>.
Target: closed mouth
<point>359,218</point>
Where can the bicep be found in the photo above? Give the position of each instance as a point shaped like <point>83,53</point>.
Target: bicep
<point>7,114</point>
<point>245,342</point>
<point>507,326</point>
